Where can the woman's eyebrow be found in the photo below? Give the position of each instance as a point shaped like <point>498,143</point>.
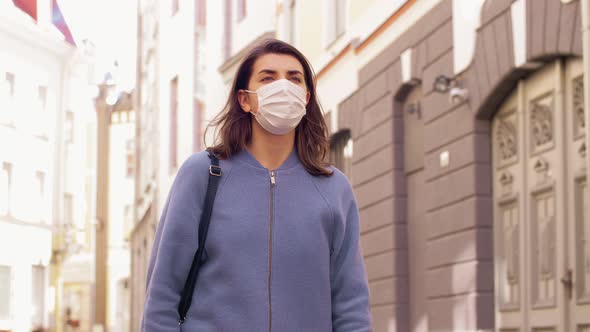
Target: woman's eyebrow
<point>294,72</point>
<point>267,71</point>
<point>274,72</point>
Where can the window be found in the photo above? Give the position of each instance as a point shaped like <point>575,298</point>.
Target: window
<point>340,16</point>
<point>289,21</point>
<point>90,146</point>
<point>128,222</point>
<point>201,12</point>
<point>41,195</point>
<point>335,19</point>
<point>68,209</point>
<point>40,125</point>
<point>10,84</point>
<point>173,123</point>
<point>175,6</point>
<point>241,10</point>
<point>6,98</point>
<point>42,98</point>
<point>69,127</point>
<point>5,291</point>
<point>38,296</point>
<point>341,152</point>
<point>130,146</point>
<point>227,30</point>
<point>197,121</point>
<point>5,188</point>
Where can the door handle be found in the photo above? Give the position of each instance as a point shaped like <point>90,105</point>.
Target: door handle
<point>568,282</point>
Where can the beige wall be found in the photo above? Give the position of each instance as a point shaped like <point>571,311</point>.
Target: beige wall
<point>338,64</point>
<point>309,14</point>
<point>356,8</point>
<point>454,216</point>
<point>37,56</point>
<point>260,18</point>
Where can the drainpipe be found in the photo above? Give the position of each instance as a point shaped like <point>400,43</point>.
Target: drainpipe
<point>585,12</point>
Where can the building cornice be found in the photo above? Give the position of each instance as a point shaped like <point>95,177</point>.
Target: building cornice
<point>21,27</point>
<point>234,59</point>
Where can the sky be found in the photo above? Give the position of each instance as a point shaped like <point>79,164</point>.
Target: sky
<point>112,26</point>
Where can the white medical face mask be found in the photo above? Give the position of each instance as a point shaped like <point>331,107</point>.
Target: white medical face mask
<point>281,106</point>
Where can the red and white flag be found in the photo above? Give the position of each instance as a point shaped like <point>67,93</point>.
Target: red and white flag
<point>57,18</point>
<point>60,23</point>
<point>27,6</point>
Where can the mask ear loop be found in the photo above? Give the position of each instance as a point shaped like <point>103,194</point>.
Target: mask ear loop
<point>250,91</point>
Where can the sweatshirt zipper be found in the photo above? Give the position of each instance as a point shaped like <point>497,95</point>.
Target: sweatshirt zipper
<point>272,185</point>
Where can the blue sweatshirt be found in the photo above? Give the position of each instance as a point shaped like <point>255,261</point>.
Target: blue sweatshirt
<point>282,252</point>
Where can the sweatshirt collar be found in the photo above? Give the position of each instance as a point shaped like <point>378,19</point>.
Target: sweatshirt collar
<point>245,156</point>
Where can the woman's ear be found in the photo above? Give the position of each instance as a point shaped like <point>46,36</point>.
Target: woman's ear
<point>307,96</point>
<point>243,99</point>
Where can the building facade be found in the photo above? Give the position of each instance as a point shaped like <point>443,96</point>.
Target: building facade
<point>462,126</point>
<point>170,104</point>
<point>75,240</point>
<point>121,199</point>
<point>475,119</point>
<point>43,94</point>
<point>147,106</point>
<point>484,222</point>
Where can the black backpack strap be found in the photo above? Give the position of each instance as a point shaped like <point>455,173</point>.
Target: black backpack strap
<point>191,281</point>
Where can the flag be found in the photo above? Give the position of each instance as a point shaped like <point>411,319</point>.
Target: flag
<point>60,23</point>
<point>27,6</point>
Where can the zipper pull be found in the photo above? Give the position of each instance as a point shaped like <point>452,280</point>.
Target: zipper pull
<point>273,179</point>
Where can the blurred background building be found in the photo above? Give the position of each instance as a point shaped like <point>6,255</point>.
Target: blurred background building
<point>43,96</point>
<point>461,125</point>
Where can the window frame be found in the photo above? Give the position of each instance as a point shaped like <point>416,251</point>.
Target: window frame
<point>241,10</point>
<point>43,294</point>
<point>201,13</point>
<point>10,79</point>
<point>69,127</point>
<point>174,7</point>
<point>41,178</point>
<point>6,107</point>
<point>8,299</point>
<point>7,169</point>
<point>335,19</point>
<point>173,127</point>
<point>68,209</point>
<point>227,29</point>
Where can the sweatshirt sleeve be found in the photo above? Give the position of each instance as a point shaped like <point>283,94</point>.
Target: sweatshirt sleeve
<point>174,246</point>
<point>350,292</point>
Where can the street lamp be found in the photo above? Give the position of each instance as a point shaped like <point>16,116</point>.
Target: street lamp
<point>101,252</point>
<point>444,84</point>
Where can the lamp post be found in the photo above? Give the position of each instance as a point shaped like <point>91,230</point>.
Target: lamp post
<point>585,12</point>
<point>103,113</point>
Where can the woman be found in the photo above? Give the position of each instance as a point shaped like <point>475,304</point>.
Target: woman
<point>282,250</point>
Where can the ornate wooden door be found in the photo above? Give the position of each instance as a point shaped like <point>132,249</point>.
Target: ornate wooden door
<point>541,226</point>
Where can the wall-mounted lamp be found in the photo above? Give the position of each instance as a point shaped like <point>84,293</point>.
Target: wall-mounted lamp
<point>442,84</point>
<point>457,93</point>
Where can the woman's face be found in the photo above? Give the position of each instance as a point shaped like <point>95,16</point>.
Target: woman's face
<point>267,69</point>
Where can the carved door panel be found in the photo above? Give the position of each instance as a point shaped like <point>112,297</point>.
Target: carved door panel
<point>578,280</point>
<point>540,205</point>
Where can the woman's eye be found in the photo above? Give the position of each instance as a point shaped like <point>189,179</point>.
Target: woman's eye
<point>266,79</point>
<point>296,79</point>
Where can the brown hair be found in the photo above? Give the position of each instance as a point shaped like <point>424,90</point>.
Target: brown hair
<point>234,126</point>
